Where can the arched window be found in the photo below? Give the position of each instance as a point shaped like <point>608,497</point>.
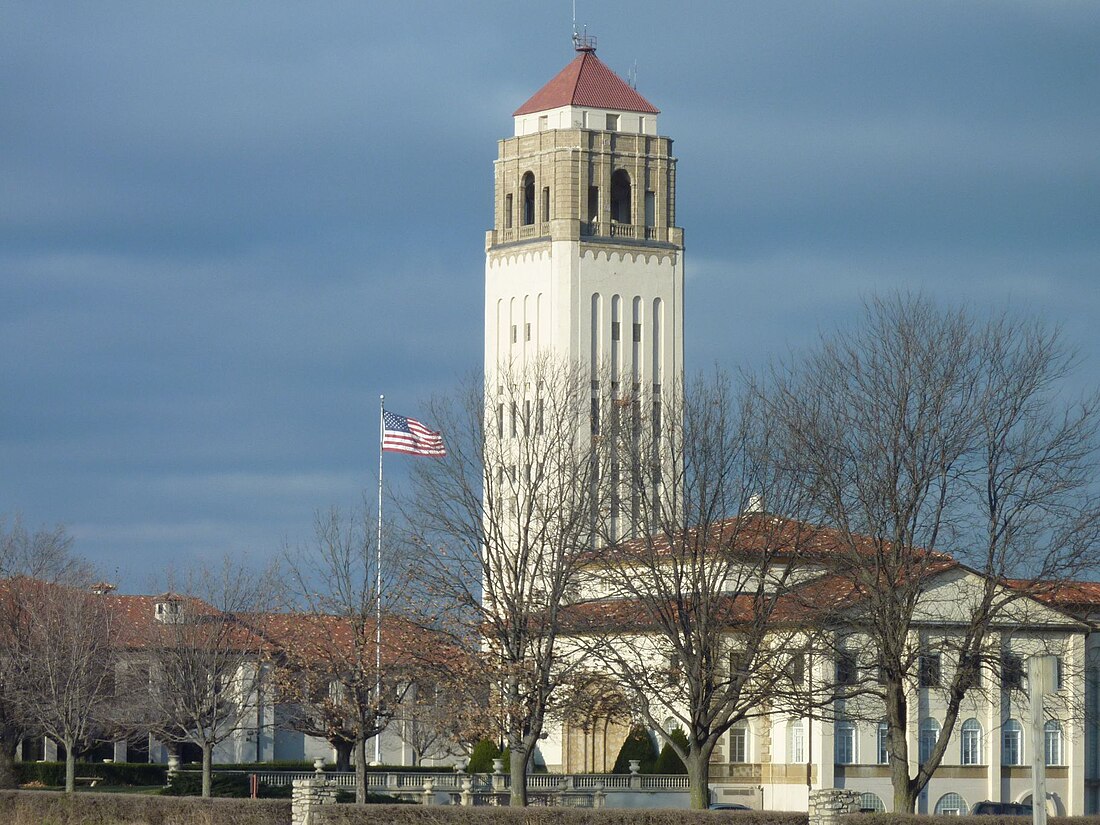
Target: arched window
<point>844,742</point>
<point>1012,743</point>
<point>971,742</point>
<point>929,735</point>
<point>1052,742</point>
<point>951,804</point>
<point>869,803</point>
<point>796,752</point>
<point>620,196</point>
<point>528,199</point>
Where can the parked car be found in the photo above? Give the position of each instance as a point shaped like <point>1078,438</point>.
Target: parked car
<point>729,806</point>
<point>1001,809</point>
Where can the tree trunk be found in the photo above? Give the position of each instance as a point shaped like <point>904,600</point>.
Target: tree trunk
<point>8,744</point>
<point>517,768</point>
<point>343,750</point>
<point>207,762</point>
<point>361,771</point>
<point>70,768</point>
<point>897,711</point>
<point>698,768</point>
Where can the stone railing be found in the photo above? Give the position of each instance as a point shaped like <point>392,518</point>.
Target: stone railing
<point>629,231</point>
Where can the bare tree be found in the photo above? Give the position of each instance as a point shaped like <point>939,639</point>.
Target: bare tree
<point>67,682</point>
<point>345,678</point>
<point>929,437</point>
<point>509,513</point>
<point>43,555</point>
<point>200,665</point>
<point>693,577</point>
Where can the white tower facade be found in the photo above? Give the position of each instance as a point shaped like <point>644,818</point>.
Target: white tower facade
<point>584,262</point>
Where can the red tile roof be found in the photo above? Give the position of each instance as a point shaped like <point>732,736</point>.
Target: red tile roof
<point>587,82</point>
<point>1062,594</point>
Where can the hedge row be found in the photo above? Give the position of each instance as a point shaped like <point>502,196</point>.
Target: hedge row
<point>442,815</point>
<point>53,808</point>
<point>299,766</point>
<point>112,773</point>
<point>234,785</point>
<point>926,819</point>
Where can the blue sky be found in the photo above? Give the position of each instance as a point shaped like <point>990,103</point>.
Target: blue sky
<point>225,228</point>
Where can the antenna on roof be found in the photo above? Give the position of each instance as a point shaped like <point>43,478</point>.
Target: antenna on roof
<point>581,42</point>
<point>632,76</point>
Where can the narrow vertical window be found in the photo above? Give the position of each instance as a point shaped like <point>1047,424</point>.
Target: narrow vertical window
<point>593,204</point>
<point>1012,743</point>
<point>528,198</point>
<point>615,331</point>
<point>882,742</point>
<point>650,209</point>
<point>1052,742</point>
<point>507,211</point>
<point>845,742</point>
<point>544,122</point>
<point>739,744</point>
<point>527,332</point>
<point>971,742</point>
<point>515,334</point>
<point>928,737</point>
<point>546,203</point>
<point>798,742</point>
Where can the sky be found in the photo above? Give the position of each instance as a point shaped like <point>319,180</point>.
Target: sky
<point>227,228</point>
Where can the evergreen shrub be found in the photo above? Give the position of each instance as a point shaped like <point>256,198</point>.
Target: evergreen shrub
<point>669,761</point>
<point>637,745</point>
<point>481,760</point>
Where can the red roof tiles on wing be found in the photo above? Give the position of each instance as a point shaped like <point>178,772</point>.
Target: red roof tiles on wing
<point>587,82</point>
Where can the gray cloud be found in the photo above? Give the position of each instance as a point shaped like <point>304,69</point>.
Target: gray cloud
<point>225,229</point>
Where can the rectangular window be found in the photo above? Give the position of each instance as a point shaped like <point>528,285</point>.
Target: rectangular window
<point>595,417</point>
<point>527,332</point>
<point>615,330</point>
<point>593,203</point>
<point>973,665</point>
<point>637,333</point>
<point>673,670</point>
<point>514,416</point>
<point>1012,671</point>
<point>1011,737</point>
<point>650,209</point>
<point>846,669</point>
<point>1058,673</point>
<point>796,669</point>
<point>612,123</point>
<point>798,743</point>
<point>544,122</point>
<point>930,670</point>
<point>739,744</point>
<point>500,421</point>
<point>883,743</point>
<point>507,211</point>
<point>526,418</point>
<point>845,743</point>
<point>546,203</point>
<point>515,334</point>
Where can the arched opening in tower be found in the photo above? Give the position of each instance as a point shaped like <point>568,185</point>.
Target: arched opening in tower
<point>620,196</point>
<point>528,199</point>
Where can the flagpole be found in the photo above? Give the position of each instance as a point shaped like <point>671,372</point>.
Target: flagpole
<point>378,582</point>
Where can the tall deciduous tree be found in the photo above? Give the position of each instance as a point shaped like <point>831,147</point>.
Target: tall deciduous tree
<point>923,430</point>
<point>694,574</point>
<point>204,653</point>
<point>509,513</point>
<point>345,679</point>
<point>68,680</point>
<point>43,555</point>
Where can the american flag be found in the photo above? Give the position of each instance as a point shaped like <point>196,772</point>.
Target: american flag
<point>407,435</point>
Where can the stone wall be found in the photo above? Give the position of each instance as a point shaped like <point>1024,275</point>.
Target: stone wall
<point>829,805</point>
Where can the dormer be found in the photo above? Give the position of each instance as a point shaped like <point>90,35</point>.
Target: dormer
<point>586,94</point>
<point>168,609</point>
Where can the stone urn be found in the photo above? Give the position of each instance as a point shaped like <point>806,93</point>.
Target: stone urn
<point>635,766</point>
<point>498,766</point>
<point>319,765</point>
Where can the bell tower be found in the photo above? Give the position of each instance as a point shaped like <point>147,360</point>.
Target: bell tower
<point>584,261</point>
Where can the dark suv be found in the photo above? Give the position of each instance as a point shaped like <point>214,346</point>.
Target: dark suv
<point>1001,809</point>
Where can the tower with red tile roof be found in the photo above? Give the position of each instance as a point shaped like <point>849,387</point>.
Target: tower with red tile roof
<point>585,262</point>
